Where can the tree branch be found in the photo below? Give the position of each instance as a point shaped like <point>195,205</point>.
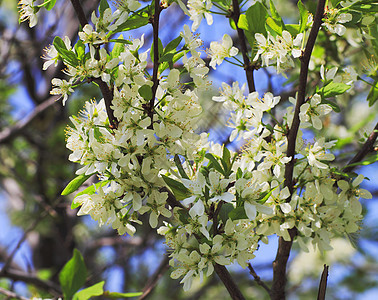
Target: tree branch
<point>323,284</point>
<point>11,295</point>
<point>228,282</point>
<point>257,278</point>
<point>9,133</point>
<point>284,247</point>
<point>248,67</point>
<point>163,267</point>
<point>105,90</point>
<point>365,150</point>
<point>31,279</point>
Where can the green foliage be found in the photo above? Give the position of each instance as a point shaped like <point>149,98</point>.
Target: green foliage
<point>74,184</point>
<point>178,189</point>
<point>67,55</point>
<point>89,292</point>
<point>49,4</point>
<point>146,92</point>
<point>73,275</point>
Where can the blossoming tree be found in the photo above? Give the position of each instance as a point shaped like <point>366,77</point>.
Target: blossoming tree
<point>214,205</point>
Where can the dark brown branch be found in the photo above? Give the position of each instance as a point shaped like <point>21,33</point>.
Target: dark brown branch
<point>305,59</point>
<point>248,67</point>
<point>48,286</point>
<point>105,90</point>
<point>228,282</point>
<point>155,70</point>
<point>163,267</point>
<point>365,150</point>
<point>323,284</point>
<point>10,132</point>
<point>284,247</point>
<point>257,278</point>
<point>11,295</point>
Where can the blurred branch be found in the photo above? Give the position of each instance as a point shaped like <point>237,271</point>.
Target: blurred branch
<point>257,278</point>
<point>365,150</point>
<point>11,294</point>
<point>20,242</point>
<point>153,280</point>
<point>31,279</point>
<point>10,133</point>
<point>323,283</point>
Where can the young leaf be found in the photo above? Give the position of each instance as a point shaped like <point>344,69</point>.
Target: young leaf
<point>80,49</point>
<point>49,4</point>
<point>172,45</point>
<point>115,295</point>
<point>92,291</point>
<point>160,52</point>
<point>119,47</point>
<point>179,167</point>
<point>74,184</point>
<point>214,163</point>
<point>373,94</point>
<point>122,41</point>
<point>178,189</point>
<point>137,20</point>
<point>238,213</point>
<point>303,16</point>
<point>256,16</point>
<point>334,105</point>
<point>103,5</point>
<point>334,88</point>
<point>73,275</point>
<point>225,211</point>
<point>146,92</point>
<point>66,54</point>
<point>165,64</point>
<point>90,190</point>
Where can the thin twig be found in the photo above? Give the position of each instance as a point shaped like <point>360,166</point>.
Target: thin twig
<point>21,241</point>
<point>105,90</point>
<point>323,283</point>
<point>257,278</point>
<point>151,284</point>
<point>9,133</point>
<point>248,67</point>
<point>365,150</point>
<point>48,286</point>
<point>228,282</point>
<point>11,295</point>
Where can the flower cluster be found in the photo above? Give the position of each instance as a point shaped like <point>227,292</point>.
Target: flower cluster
<point>279,49</point>
<point>334,19</point>
<point>28,11</point>
<point>218,52</point>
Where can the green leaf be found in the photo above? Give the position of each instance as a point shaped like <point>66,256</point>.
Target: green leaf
<point>122,41</point>
<point>373,94</point>
<point>94,290</point>
<point>90,190</point>
<point>334,105</point>
<point>118,48</point>
<point>112,295</point>
<point>172,45</point>
<point>146,92</point>
<point>225,211</point>
<point>178,189</point>
<point>160,51</point>
<point>74,184</point>
<point>103,6</point>
<point>164,65</point>
<point>334,88</point>
<point>179,167</point>
<point>303,16</point>
<point>73,275</point>
<point>293,29</point>
<point>214,162</point>
<point>256,16</point>
<point>64,53</point>
<point>367,161</point>
<point>238,213</point>
<point>49,4</point>
<point>167,57</point>
<point>137,20</point>
<point>274,27</point>
<point>265,196</point>
<point>80,49</point>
